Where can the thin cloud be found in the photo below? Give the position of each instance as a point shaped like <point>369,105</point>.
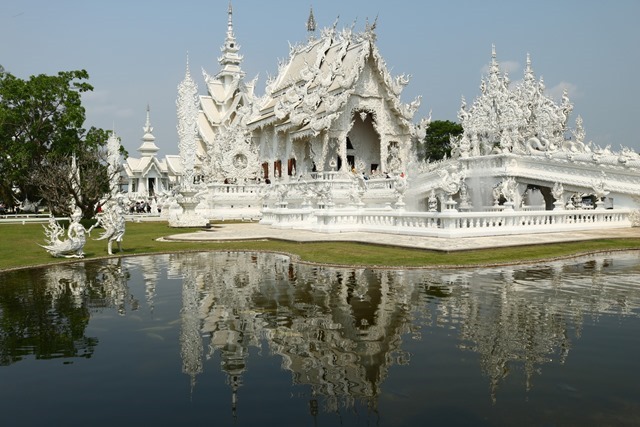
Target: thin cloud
<point>509,67</point>
<point>556,91</point>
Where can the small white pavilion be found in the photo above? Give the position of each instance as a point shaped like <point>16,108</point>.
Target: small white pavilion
<point>148,176</point>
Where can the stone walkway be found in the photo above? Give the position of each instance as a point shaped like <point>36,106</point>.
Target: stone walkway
<point>254,231</point>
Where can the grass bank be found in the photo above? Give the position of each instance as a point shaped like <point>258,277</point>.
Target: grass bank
<point>20,248</point>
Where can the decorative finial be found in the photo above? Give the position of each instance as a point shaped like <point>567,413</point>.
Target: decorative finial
<point>188,72</point>
<point>528,71</point>
<point>370,29</point>
<point>494,69</point>
<point>311,23</point>
<point>230,21</point>
<point>147,126</point>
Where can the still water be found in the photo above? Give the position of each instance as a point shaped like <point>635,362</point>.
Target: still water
<point>248,339</point>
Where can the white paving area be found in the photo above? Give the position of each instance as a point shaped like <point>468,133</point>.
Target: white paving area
<point>254,231</point>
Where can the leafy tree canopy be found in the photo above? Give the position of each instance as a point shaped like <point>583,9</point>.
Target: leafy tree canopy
<point>41,126</point>
<point>437,140</point>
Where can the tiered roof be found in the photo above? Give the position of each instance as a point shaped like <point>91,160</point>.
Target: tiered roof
<point>313,86</point>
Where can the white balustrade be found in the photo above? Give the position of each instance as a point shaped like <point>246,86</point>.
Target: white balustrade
<point>447,224</point>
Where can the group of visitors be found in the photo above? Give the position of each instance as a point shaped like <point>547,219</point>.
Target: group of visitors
<point>141,206</point>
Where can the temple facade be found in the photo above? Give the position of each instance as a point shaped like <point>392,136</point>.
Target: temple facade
<point>334,107</point>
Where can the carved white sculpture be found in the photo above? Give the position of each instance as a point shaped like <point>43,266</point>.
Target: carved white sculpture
<point>519,120</point>
<point>465,199</point>
<point>113,221</point>
<point>558,194</point>
<point>600,191</point>
<point>113,162</point>
<point>187,110</point>
<point>73,245</point>
<point>27,206</point>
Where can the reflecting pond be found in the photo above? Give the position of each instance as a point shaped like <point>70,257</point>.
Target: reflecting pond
<point>255,339</point>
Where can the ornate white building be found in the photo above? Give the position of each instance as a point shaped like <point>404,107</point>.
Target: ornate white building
<point>148,176</point>
<point>222,132</point>
<point>331,147</point>
<point>334,106</point>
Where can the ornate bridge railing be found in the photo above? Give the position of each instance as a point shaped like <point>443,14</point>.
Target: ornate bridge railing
<point>445,224</point>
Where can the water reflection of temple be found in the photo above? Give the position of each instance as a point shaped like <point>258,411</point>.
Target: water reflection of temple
<point>526,316</point>
<point>336,330</point>
<point>340,330</point>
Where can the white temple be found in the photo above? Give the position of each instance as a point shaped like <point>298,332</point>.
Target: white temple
<point>148,176</point>
<point>331,147</point>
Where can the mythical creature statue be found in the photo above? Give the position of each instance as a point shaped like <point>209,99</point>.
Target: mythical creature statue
<point>400,186</point>
<point>465,199</point>
<point>112,220</point>
<point>600,188</point>
<point>73,246</point>
<point>557,191</point>
<point>509,188</point>
<point>450,181</point>
<point>358,186</point>
<point>27,205</point>
<point>432,202</point>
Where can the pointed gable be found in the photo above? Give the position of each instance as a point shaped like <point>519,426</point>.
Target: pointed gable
<point>314,85</point>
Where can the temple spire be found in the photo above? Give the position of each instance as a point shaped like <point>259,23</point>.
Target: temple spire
<point>148,129</point>
<point>311,24</point>
<point>230,22</point>
<point>230,59</point>
<point>494,68</point>
<point>148,148</point>
<point>528,71</point>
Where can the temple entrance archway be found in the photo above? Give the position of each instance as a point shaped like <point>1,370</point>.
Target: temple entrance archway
<point>364,141</point>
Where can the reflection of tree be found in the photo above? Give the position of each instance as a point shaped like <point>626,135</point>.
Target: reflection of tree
<point>45,312</point>
<point>35,322</point>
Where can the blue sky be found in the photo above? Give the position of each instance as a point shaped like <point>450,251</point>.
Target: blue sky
<point>135,51</point>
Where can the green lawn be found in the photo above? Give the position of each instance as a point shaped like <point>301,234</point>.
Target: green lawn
<point>20,249</point>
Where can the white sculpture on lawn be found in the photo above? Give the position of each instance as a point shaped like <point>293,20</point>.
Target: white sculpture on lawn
<point>112,216</point>
<point>73,245</point>
<point>27,205</point>
<point>113,221</point>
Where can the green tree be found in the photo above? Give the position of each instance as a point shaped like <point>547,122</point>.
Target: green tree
<point>41,127</point>
<point>437,140</point>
